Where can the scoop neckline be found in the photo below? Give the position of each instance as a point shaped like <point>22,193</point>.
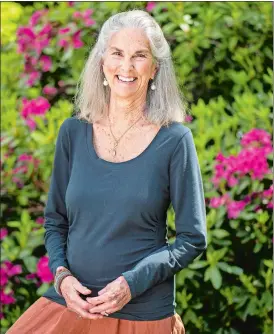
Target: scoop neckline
<point>93,153</point>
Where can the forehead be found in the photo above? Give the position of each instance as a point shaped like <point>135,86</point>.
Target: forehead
<point>132,38</point>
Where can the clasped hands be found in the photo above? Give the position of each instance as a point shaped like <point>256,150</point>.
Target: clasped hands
<point>110,299</point>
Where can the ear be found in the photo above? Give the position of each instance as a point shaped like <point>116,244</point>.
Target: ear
<point>154,72</point>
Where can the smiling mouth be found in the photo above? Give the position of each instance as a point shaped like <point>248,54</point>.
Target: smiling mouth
<point>125,80</point>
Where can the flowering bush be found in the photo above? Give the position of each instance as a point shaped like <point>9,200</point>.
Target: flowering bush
<point>223,66</point>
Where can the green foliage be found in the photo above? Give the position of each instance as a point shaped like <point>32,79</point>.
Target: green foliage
<point>222,54</point>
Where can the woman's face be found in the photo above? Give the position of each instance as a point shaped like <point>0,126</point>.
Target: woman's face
<point>128,56</point>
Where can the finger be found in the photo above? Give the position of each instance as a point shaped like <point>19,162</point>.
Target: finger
<point>80,288</point>
<point>78,301</point>
<point>102,291</point>
<point>98,300</point>
<point>106,307</point>
<point>87,315</point>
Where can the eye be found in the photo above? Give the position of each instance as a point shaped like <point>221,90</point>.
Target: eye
<point>140,55</point>
<point>114,53</point>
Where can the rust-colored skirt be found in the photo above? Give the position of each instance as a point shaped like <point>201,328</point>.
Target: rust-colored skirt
<point>48,317</point>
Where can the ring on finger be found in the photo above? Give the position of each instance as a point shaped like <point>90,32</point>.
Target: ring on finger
<point>105,313</point>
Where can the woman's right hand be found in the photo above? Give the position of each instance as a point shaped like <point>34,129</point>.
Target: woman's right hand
<point>70,288</point>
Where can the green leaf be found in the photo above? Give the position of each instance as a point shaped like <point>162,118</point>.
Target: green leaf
<point>215,277</point>
<point>198,264</point>
<point>30,262</point>
<point>230,269</point>
<point>220,233</point>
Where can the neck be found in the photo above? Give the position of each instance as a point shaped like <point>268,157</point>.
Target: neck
<point>125,112</point>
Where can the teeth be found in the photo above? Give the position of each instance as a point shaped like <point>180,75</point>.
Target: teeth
<point>125,79</point>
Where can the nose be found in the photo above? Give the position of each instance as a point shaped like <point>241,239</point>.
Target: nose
<point>126,64</point>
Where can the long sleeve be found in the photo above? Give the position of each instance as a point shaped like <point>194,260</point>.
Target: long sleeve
<point>56,222</point>
<point>187,198</point>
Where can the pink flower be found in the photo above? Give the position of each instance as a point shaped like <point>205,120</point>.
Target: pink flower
<point>7,299</point>
<point>3,233</point>
<point>49,90</point>
<point>31,124</point>
<point>46,63</point>
<point>40,220</point>
<point>38,107</point>
<point>77,15</point>
<point>25,38</point>
<point>36,17</point>
<point>25,157</point>
<point>31,276</point>
<point>3,278</point>
<point>188,118</point>
<point>63,43</point>
<point>18,182</point>
<point>76,40</point>
<point>33,77</point>
<point>71,3</point>
<point>64,30</point>
<point>43,270</point>
<point>150,6</point>
<point>85,17</point>
<point>216,202</point>
<point>234,208</point>
<point>87,13</point>
<point>89,22</point>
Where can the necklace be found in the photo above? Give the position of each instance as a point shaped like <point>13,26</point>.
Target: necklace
<point>113,150</point>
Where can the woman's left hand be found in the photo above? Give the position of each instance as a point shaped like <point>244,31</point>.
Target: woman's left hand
<point>112,298</point>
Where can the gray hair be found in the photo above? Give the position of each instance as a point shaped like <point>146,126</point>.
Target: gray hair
<point>164,105</point>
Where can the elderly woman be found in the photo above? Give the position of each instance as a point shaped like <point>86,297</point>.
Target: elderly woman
<point>119,164</point>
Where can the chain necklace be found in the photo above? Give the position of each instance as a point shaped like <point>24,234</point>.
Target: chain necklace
<point>113,150</point>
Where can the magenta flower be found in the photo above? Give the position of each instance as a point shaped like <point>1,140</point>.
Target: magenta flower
<point>40,220</point>
<point>37,107</point>
<point>150,6</point>
<point>76,40</point>
<point>43,270</point>
<point>35,18</point>
<point>46,63</point>
<point>3,278</point>
<point>3,233</point>
<point>251,161</point>
<point>89,22</point>
<point>216,202</point>
<point>33,77</point>
<point>63,43</point>
<point>85,16</point>
<point>71,3</point>
<point>7,299</point>
<point>77,15</point>
<point>49,90</point>
<point>25,38</point>
<point>31,276</point>
<point>63,31</point>
<point>234,208</point>
<point>25,157</point>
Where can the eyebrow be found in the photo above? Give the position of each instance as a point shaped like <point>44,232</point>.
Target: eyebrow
<point>138,51</point>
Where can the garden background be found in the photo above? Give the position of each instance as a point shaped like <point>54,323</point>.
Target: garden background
<point>222,52</point>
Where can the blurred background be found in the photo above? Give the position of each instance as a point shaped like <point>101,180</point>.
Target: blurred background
<point>222,52</point>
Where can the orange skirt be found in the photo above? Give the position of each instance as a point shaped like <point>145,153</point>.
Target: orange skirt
<point>48,317</point>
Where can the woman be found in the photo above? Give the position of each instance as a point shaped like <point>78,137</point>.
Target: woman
<point>118,165</point>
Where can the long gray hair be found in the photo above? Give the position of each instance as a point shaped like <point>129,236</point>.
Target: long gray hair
<point>164,105</point>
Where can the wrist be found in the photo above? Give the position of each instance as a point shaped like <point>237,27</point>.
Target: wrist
<point>59,277</point>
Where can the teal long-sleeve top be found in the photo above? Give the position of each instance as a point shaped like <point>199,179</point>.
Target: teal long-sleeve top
<point>106,219</point>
